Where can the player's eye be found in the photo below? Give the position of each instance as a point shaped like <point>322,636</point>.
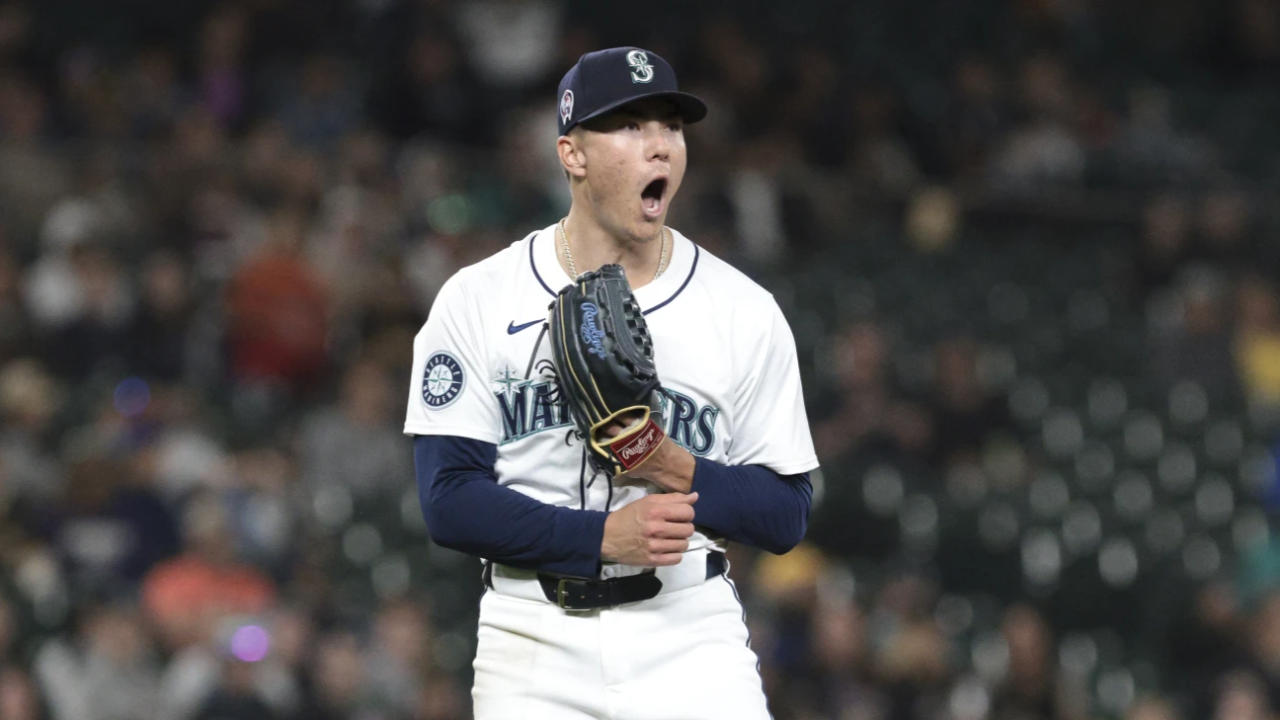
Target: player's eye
<point>633,125</point>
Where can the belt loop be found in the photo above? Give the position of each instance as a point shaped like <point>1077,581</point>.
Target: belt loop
<point>717,563</point>
<point>561,592</point>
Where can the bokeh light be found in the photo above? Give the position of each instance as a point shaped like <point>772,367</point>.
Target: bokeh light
<point>250,643</point>
<point>131,397</point>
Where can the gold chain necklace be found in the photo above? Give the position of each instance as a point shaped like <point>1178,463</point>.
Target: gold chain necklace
<point>664,255</point>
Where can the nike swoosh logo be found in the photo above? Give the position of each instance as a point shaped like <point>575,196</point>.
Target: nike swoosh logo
<point>513,328</point>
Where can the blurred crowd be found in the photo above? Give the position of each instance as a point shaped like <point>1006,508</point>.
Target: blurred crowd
<point>1027,249</point>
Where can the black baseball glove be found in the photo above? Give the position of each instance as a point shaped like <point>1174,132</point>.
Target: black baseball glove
<point>603,355</point>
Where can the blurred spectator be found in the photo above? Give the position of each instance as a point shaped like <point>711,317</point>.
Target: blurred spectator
<point>428,91</point>
<point>356,444</point>
<point>158,336</point>
<point>106,671</point>
<point>220,56</point>
<point>866,429</point>
<point>1031,687</point>
<point>19,696</point>
<point>33,176</point>
<point>965,415</point>
<point>187,596</point>
<point>323,109</point>
<point>261,502</point>
<point>233,217</point>
<point>1242,696</point>
<point>55,292</point>
<point>182,453</point>
<point>15,25</point>
<point>30,398</point>
<point>881,157</point>
<point>846,684</point>
<point>153,94</point>
<point>111,528</point>
<point>340,680</point>
<point>867,413</point>
<point>440,698</point>
<point>277,308</point>
<point>1257,340</point>
<point>1153,708</point>
<point>16,332</point>
<point>1164,243</point>
<point>1223,225</point>
<point>236,696</point>
<point>1197,345</point>
<point>1046,150</point>
<point>1263,642</point>
<point>251,662</point>
<point>93,340</point>
<point>1151,150</point>
<point>1204,643</point>
<point>977,117</point>
<point>398,657</point>
<point>508,41</point>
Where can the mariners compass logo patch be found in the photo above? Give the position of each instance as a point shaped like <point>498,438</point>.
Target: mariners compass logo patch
<point>442,380</point>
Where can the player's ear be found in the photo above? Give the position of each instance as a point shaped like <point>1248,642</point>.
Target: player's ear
<point>572,159</point>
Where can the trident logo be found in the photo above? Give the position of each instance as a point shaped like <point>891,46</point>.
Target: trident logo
<point>642,71</point>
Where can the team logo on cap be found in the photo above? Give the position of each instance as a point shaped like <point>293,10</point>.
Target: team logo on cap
<point>442,380</point>
<point>566,106</point>
<point>641,70</point>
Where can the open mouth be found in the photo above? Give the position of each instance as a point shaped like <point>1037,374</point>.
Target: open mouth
<point>651,197</point>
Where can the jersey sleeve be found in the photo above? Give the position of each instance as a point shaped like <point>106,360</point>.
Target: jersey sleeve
<point>449,384</point>
<point>771,427</point>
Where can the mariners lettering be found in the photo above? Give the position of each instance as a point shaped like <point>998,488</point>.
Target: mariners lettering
<point>528,408</point>
<point>690,425</point>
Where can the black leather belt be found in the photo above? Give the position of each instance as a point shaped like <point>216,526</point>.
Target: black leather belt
<point>578,594</point>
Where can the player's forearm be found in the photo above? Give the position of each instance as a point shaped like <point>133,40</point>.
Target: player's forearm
<point>467,510</point>
<point>752,504</point>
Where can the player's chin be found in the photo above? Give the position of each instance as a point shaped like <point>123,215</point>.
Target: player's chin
<point>644,231</point>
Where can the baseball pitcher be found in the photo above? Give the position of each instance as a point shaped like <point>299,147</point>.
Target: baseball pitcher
<point>597,411</point>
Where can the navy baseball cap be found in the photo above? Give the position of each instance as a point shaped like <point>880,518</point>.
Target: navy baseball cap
<point>605,80</point>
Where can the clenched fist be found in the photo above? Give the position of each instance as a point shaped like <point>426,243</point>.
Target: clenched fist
<point>651,531</point>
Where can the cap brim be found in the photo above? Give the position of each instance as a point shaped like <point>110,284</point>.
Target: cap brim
<point>690,107</point>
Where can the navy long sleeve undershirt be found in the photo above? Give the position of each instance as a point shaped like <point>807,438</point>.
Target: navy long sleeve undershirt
<point>752,504</point>
<point>466,509</point>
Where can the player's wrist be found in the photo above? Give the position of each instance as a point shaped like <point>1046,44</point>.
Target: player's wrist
<point>671,467</point>
<point>609,551</point>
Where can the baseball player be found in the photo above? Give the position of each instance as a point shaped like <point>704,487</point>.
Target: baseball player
<point>607,590</point>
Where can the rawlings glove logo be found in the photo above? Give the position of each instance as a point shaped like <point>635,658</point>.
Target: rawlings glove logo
<point>592,335</point>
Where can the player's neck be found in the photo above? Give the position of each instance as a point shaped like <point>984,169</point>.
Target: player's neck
<point>591,245</point>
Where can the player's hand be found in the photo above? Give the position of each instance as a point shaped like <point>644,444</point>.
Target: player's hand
<point>650,532</point>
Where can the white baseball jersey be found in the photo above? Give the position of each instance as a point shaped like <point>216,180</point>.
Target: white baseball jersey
<point>482,370</point>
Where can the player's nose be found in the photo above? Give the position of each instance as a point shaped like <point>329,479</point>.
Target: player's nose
<point>658,145</point>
